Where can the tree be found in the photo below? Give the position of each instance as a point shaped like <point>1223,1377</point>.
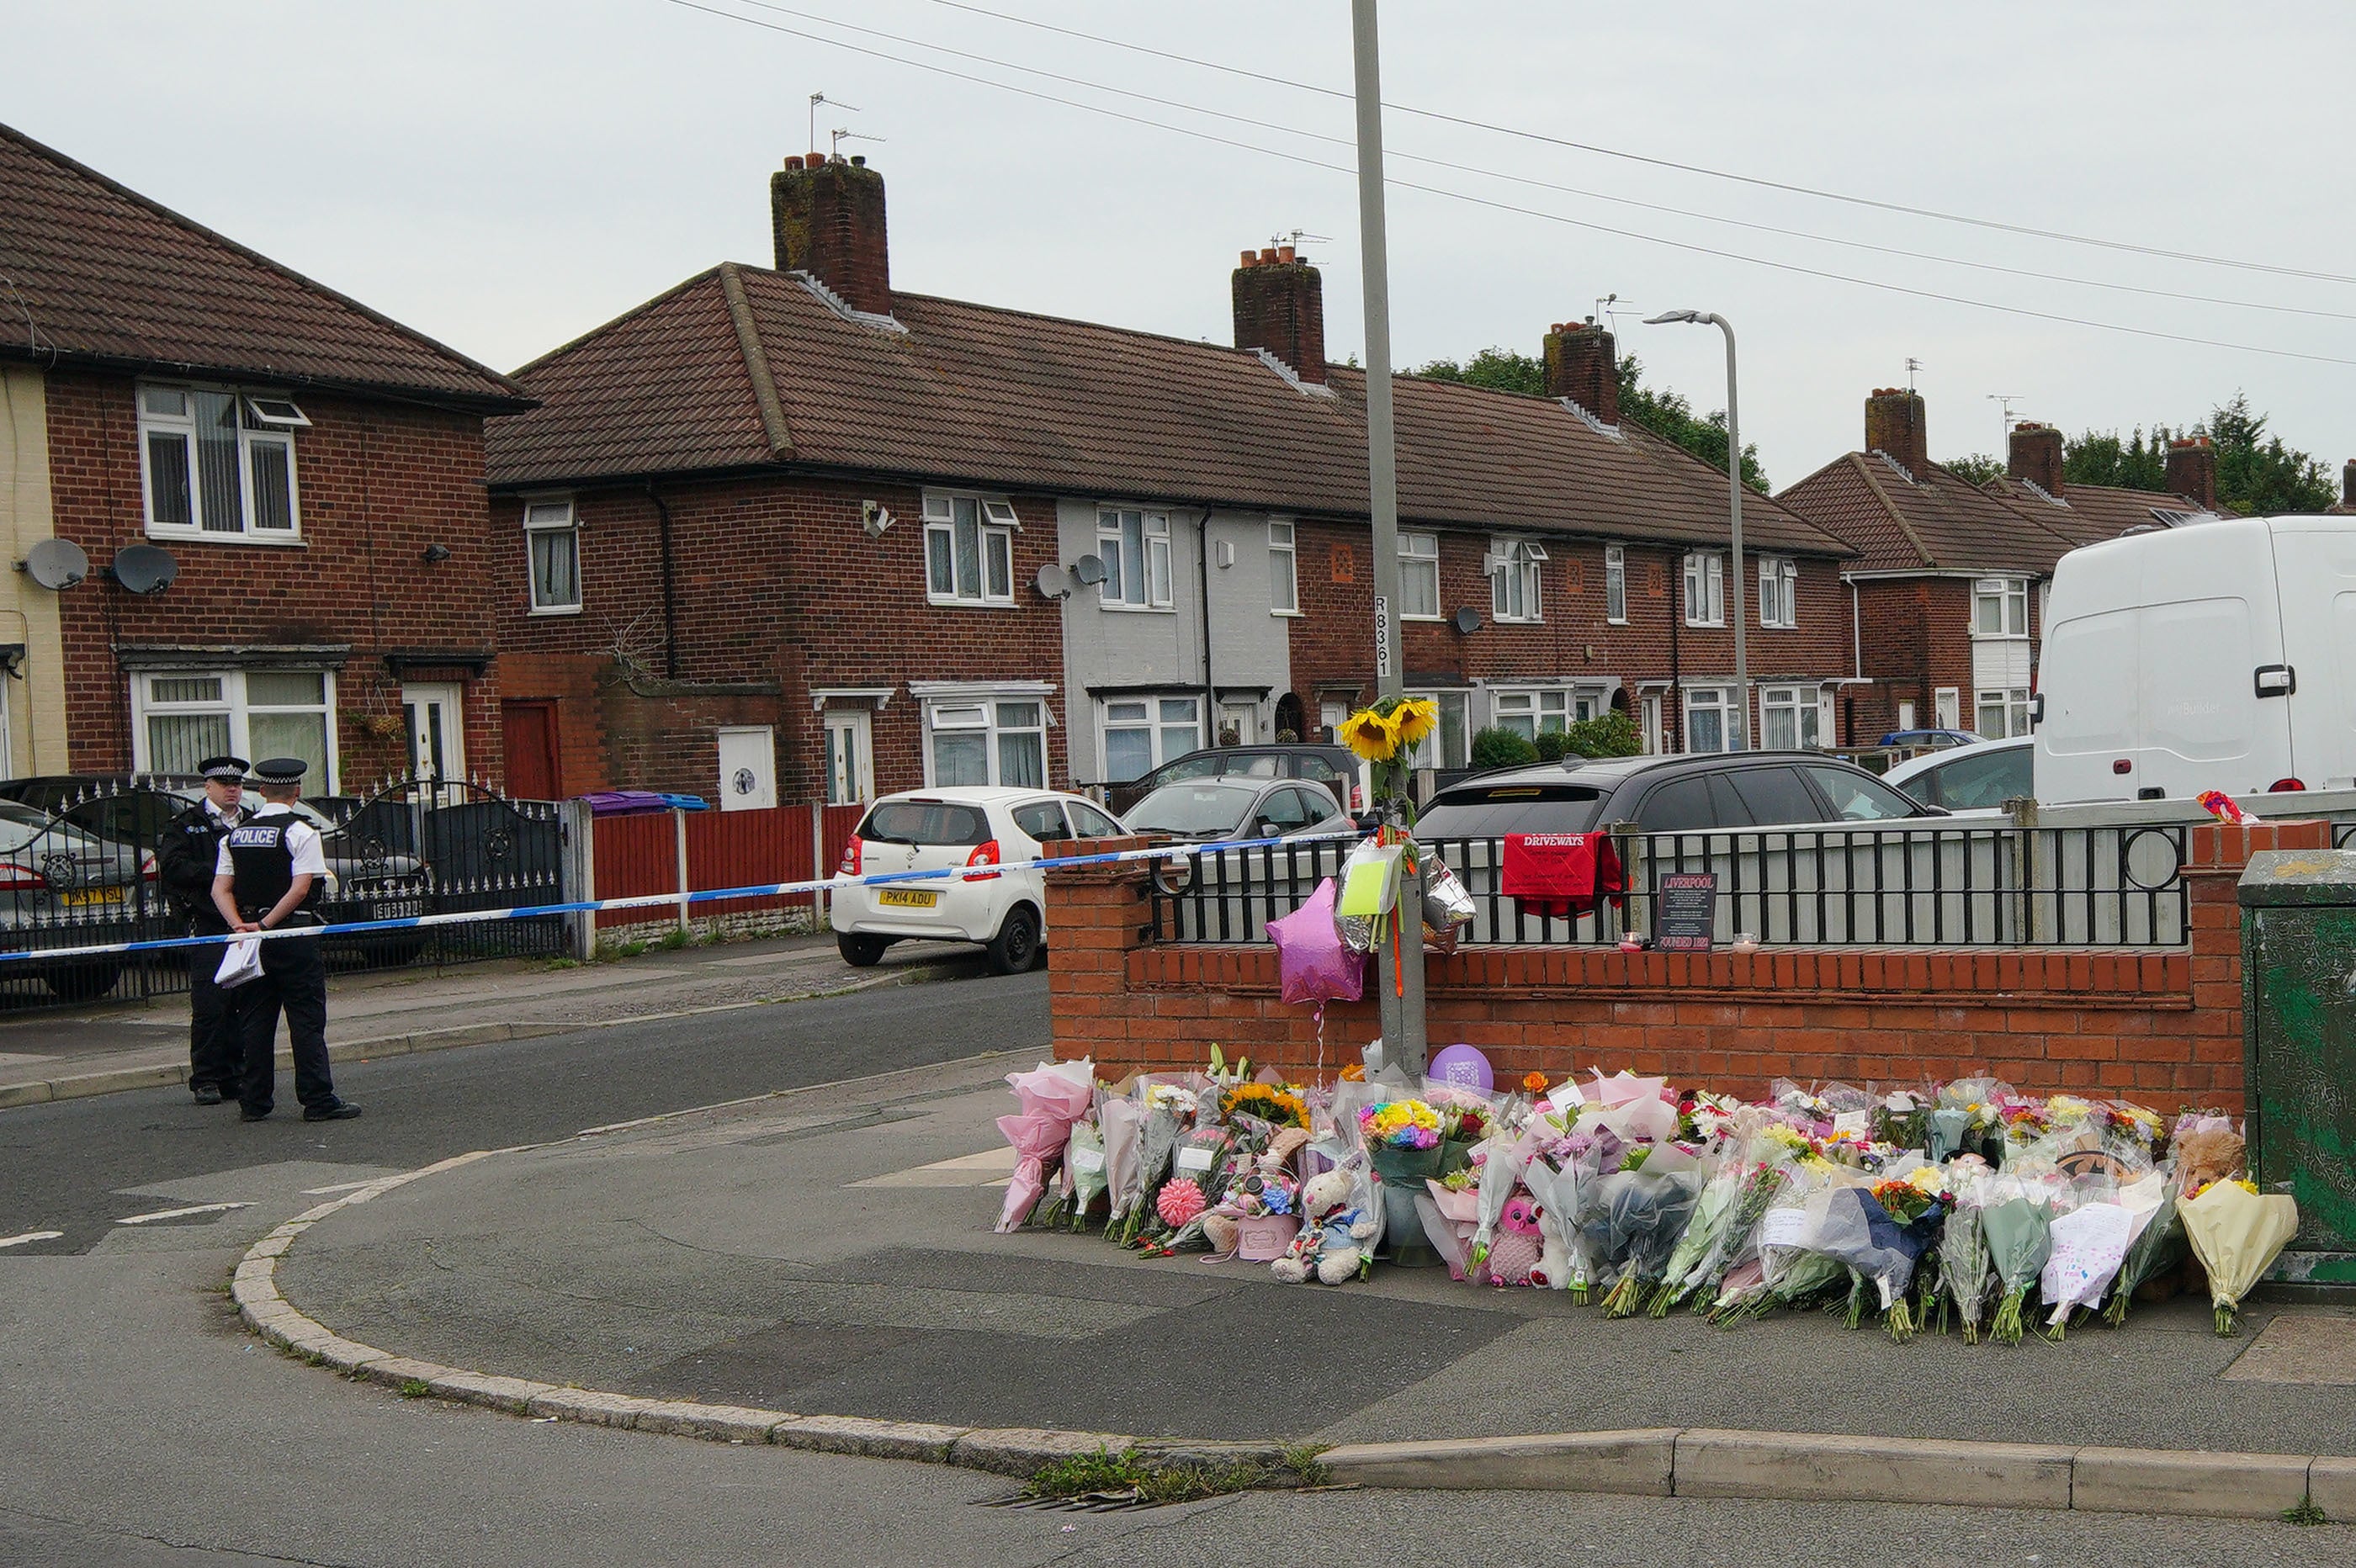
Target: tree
<point>1977,469</point>
<point>1499,748</point>
<point>2257,474</point>
<point>1666,413</point>
<point>2101,458</point>
<point>1608,734</point>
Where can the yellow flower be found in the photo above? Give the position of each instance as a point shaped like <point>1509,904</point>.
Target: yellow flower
<point>1414,718</point>
<point>1370,734</point>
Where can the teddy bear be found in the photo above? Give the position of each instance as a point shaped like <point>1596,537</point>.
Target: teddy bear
<point>1516,1249</point>
<point>1334,1239</point>
<point>1553,1269</point>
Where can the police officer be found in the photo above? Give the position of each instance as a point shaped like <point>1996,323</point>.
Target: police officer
<point>268,876</point>
<point>185,857</point>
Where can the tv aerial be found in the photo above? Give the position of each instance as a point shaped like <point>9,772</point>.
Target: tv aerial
<point>55,564</point>
<point>144,569</point>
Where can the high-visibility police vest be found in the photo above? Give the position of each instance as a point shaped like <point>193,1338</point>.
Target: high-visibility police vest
<point>261,864</point>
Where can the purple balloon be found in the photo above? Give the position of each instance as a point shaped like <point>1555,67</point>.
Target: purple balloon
<point>1313,963</point>
<point>1464,1066</point>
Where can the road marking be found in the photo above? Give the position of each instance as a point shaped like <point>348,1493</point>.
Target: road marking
<point>329,1191</point>
<point>183,1213</point>
<point>30,1236</point>
<point>987,1168</point>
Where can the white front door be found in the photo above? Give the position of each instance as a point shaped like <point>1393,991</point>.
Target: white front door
<point>1947,706</point>
<point>1243,718</point>
<point>1330,717</point>
<point>1652,738</point>
<point>748,768</point>
<point>437,730</point>
<point>850,761</point>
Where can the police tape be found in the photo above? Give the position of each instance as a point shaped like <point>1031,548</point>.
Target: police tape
<point>672,899</point>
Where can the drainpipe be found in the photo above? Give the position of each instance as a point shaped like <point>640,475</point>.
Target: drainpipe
<point>669,587</point>
<point>1855,635</point>
<point>1203,564</point>
<point>1676,700</point>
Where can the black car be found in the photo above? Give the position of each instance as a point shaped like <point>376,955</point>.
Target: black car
<point>1691,793</point>
<point>1335,767</point>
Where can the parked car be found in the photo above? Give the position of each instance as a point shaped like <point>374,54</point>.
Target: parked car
<point>1335,767</point>
<point>363,883</point>
<point>61,886</point>
<point>1929,738</point>
<point>1965,780</point>
<point>2213,655</point>
<point>938,830</point>
<point>1210,809</point>
<point>1691,793</point>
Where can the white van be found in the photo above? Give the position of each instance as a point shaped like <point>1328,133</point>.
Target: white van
<point>2217,654</point>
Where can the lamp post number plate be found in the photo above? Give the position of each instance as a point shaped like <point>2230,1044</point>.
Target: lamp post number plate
<point>1382,638</point>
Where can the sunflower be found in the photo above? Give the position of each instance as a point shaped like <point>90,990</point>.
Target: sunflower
<point>1372,735</point>
<point>1414,718</point>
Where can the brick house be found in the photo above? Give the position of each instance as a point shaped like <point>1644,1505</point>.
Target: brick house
<point>789,533</point>
<point>1949,593</point>
<point>279,493</point>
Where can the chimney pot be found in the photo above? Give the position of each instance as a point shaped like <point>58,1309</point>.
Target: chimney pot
<point>828,220</point>
<point>1894,423</point>
<point>793,160</point>
<point>2035,455</point>
<point>1280,305</point>
<point>1284,253</point>
<point>1251,259</point>
<point>1582,364</point>
<point>1268,257</point>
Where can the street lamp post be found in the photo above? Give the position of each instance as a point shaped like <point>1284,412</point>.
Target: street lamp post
<point>1741,736</point>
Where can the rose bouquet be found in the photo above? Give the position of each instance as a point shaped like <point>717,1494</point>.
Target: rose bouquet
<point>1051,1097</point>
<point>2236,1231</point>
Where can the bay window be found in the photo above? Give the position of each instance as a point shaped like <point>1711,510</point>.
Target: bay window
<point>1531,713</point>
<point>986,742</point>
<point>1792,717</point>
<point>969,551</point>
<point>218,463</point>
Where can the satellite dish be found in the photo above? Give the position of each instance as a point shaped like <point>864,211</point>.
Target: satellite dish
<point>1052,582</point>
<point>1090,570</point>
<point>1468,620</point>
<point>144,567</point>
<point>56,563</point>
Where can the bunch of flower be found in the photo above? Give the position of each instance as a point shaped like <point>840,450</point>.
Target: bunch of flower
<point>2244,1182</point>
<point>1399,1124</point>
<point>1462,1123</point>
<point>1279,1104</point>
<point>1386,734</point>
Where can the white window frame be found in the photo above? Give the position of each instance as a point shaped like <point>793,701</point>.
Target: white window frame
<point>1138,582</point>
<point>2010,705</point>
<point>1418,567</point>
<point>2009,597</point>
<point>1431,751</point>
<point>1157,723</point>
<point>233,703</point>
<point>1516,595</point>
<point>1542,708</point>
<point>1705,574</point>
<point>544,520</point>
<point>1805,704</point>
<point>1283,567</point>
<point>1779,592</point>
<point>264,421</point>
<point>995,525</point>
<point>981,714</point>
<point>1615,584</point>
<point>1719,699</point>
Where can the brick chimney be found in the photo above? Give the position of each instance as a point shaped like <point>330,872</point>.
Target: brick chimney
<point>1583,365</point>
<point>1894,423</point>
<point>1280,304</point>
<point>2348,485</point>
<point>2192,470</point>
<point>827,214</point>
<point>2036,456</point>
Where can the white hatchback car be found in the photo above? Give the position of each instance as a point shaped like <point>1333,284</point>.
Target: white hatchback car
<point>962,828</point>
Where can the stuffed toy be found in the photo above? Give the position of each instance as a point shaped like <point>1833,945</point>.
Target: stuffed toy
<point>1335,1239</point>
<point>1518,1246</point>
<point>1553,1270</point>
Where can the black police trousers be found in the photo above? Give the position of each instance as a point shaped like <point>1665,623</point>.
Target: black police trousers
<point>215,1040</point>
<point>294,980</point>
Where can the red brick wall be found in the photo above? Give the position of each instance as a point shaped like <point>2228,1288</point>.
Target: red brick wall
<point>377,481</point>
<point>2163,1028</point>
<point>1915,635</point>
<point>1331,644</point>
<point>776,583</point>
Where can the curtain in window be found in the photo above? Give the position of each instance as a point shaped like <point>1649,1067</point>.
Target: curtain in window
<point>274,485</point>
<point>960,757</point>
<point>217,471</point>
<point>176,742</point>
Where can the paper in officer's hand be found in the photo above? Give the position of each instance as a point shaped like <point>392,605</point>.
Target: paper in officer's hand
<point>239,963</point>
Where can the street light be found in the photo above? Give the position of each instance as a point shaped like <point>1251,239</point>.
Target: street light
<point>1734,510</point>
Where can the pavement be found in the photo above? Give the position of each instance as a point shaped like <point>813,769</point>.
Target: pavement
<point>57,1053</point>
<point>830,1252</point>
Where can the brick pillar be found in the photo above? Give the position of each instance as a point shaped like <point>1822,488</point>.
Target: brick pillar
<point>2192,470</point>
<point>826,217</point>
<point>1096,915</point>
<point>2035,455</point>
<point>1583,365</point>
<point>1280,305</point>
<point>1895,423</point>
<point>2219,854</point>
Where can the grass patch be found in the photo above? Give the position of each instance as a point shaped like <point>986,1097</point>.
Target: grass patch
<point>672,939</point>
<point>415,1388</point>
<point>1105,1471</point>
<point>2305,1513</point>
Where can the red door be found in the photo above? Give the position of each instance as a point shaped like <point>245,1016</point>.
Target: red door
<point>531,735</point>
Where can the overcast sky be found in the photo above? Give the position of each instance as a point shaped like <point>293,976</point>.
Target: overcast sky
<point>506,175</point>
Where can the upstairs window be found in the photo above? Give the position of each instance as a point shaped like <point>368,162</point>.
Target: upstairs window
<point>1779,586</point>
<point>218,465</point>
<point>1419,577</point>
<point>1283,581</point>
<point>2001,607</point>
<point>1135,549</point>
<point>1514,581</point>
<point>969,551</point>
<point>552,551</point>
<point>1704,594</point>
<point>1615,584</point>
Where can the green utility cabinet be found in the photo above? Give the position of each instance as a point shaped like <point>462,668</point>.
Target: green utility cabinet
<point>2298,1023</point>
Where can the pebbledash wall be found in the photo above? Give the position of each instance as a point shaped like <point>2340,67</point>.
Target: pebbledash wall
<point>2162,1027</point>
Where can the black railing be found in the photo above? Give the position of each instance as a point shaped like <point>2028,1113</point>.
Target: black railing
<point>1946,886</point>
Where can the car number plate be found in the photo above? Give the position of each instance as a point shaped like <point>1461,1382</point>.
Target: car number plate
<point>907,898</point>
<point>83,897</point>
<point>397,909</point>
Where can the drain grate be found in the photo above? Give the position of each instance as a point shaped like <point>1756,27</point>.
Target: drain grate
<point>1122,1501</point>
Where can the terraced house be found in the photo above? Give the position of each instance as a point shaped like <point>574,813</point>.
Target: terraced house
<point>271,498</point>
<point>790,532</point>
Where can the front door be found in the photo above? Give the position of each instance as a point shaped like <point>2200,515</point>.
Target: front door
<point>529,732</point>
<point>437,730</point>
<point>748,768</point>
<point>850,765</point>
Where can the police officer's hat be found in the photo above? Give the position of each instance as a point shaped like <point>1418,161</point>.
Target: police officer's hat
<point>229,770</point>
<point>279,771</point>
